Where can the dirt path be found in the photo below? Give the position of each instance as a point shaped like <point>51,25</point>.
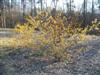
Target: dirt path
<point>20,61</point>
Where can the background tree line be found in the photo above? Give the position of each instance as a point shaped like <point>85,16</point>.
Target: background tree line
<point>14,11</point>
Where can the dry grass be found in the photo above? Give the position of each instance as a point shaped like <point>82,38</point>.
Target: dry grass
<point>10,42</point>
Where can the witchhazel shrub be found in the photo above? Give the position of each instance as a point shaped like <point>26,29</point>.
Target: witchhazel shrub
<point>53,31</point>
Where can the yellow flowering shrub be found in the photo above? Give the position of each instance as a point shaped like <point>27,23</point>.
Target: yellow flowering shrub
<point>56,32</point>
<point>94,26</point>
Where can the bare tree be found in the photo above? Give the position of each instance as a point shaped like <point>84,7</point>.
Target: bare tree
<point>99,4</point>
<point>70,6</point>
<point>4,15</point>
<point>92,15</point>
<point>1,12</point>
<point>35,10</point>
<point>31,1</point>
<point>23,6</point>
<point>55,3</point>
<point>84,12</point>
<point>41,4</point>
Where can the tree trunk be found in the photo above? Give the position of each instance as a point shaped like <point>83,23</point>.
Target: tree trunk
<point>84,13</point>
<point>4,15</point>
<point>41,3</point>
<point>23,6</point>
<point>35,11</point>
<point>92,15</point>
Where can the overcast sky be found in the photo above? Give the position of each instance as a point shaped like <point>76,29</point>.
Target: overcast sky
<point>77,3</point>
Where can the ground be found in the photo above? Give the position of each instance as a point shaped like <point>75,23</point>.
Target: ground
<point>21,61</point>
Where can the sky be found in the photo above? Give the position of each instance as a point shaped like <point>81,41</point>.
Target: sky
<point>77,3</point>
<point>60,3</point>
